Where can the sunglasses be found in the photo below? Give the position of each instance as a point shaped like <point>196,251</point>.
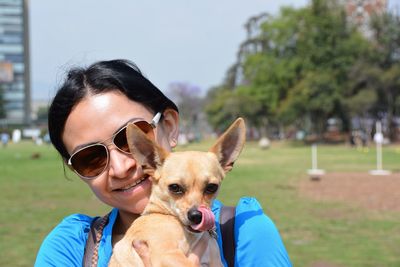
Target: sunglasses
<point>92,160</point>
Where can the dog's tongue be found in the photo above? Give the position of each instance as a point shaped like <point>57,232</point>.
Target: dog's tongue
<point>207,219</point>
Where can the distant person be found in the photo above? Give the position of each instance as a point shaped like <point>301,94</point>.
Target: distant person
<point>87,120</point>
<point>5,138</point>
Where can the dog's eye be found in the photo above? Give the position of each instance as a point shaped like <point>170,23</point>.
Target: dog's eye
<point>211,188</point>
<point>175,189</point>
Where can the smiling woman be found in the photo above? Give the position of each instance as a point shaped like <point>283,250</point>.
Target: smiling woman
<point>87,120</point>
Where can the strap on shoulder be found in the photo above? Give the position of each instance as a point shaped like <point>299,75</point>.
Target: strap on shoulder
<point>227,222</point>
<point>91,242</point>
<point>96,230</point>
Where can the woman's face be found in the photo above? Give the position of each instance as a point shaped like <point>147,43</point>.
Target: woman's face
<point>97,118</point>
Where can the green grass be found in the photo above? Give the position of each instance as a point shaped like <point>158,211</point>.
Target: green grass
<point>36,196</point>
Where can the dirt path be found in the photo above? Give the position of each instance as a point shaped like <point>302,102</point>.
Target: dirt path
<point>371,192</point>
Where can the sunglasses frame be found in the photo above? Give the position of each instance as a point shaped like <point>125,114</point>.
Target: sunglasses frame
<point>154,122</point>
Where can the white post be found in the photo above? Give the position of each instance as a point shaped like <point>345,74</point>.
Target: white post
<point>379,156</point>
<point>314,163</point>
<point>378,138</point>
<point>314,171</point>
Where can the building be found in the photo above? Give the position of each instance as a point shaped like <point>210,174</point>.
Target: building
<point>14,61</point>
<point>359,12</point>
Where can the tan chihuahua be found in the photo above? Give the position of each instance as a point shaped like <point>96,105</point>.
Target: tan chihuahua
<point>178,214</point>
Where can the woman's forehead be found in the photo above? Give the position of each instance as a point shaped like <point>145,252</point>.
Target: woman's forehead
<point>97,117</point>
<point>110,106</point>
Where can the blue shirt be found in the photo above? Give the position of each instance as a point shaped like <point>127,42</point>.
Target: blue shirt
<point>258,242</point>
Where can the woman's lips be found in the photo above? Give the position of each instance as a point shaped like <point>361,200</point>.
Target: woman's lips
<point>132,185</point>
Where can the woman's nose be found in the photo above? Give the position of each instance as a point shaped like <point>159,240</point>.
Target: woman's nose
<point>121,165</point>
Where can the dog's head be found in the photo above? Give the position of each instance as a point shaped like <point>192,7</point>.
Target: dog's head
<point>184,181</point>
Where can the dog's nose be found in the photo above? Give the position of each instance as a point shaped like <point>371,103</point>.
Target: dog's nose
<point>194,216</point>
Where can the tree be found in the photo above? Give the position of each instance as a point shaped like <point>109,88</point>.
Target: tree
<point>386,59</point>
<point>190,103</point>
<point>225,105</point>
<point>311,64</point>
<point>298,63</point>
<point>374,86</point>
<point>258,76</point>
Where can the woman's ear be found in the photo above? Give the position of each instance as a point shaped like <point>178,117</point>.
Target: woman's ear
<point>170,121</point>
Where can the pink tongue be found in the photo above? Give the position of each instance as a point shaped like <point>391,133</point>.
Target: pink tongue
<point>207,219</point>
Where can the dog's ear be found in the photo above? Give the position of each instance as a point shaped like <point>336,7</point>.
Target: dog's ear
<point>145,151</point>
<point>230,144</point>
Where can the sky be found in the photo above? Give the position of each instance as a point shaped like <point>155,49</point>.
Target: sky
<point>171,41</point>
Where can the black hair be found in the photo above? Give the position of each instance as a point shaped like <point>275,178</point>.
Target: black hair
<point>100,77</point>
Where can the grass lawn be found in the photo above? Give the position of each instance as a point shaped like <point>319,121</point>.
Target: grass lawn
<point>36,196</point>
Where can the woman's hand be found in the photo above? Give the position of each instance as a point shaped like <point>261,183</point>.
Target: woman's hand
<point>142,249</point>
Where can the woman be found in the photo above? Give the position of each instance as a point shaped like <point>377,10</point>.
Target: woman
<point>86,125</point>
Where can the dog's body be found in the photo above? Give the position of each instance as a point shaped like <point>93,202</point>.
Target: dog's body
<point>183,183</point>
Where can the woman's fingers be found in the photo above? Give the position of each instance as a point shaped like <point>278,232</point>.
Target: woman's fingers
<point>142,249</point>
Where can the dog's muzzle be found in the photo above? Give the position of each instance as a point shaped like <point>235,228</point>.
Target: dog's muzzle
<point>202,218</point>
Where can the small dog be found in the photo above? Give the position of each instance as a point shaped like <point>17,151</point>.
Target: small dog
<point>178,214</point>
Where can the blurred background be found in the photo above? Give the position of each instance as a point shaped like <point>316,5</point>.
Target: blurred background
<point>314,70</point>
<point>300,72</point>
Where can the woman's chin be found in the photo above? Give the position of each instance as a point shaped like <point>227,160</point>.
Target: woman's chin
<point>135,199</point>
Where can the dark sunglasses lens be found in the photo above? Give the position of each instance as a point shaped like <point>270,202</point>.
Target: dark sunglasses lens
<point>91,161</point>
<point>146,128</point>
<point>120,140</point>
